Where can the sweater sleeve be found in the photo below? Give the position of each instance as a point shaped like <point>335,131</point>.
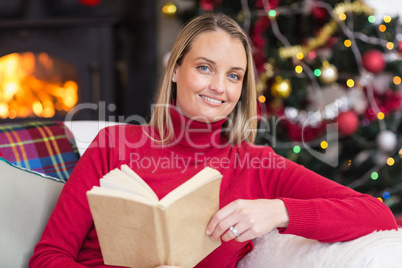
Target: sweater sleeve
<point>70,224</point>
<point>320,208</point>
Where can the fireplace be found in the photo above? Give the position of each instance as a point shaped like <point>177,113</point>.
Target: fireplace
<point>94,61</point>
<point>36,84</point>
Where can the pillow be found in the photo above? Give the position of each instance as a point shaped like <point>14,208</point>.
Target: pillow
<point>378,249</point>
<point>44,147</point>
<point>27,199</point>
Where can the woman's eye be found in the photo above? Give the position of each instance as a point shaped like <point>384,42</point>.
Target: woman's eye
<point>234,76</point>
<point>203,68</point>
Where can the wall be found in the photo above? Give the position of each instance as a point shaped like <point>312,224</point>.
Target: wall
<point>168,29</point>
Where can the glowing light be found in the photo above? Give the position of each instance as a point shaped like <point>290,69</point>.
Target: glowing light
<point>272,13</point>
<point>48,112</point>
<point>400,153</point>
<point>312,55</point>
<point>390,161</point>
<point>382,28</point>
<point>296,149</point>
<point>262,99</point>
<point>299,69</point>
<point>380,115</point>
<point>374,176</point>
<point>10,89</point>
<point>347,43</point>
<point>169,10</point>
<point>387,19</point>
<point>350,162</point>
<point>3,110</point>
<point>12,114</point>
<point>379,198</point>
<point>300,55</point>
<point>342,16</point>
<point>371,19</point>
<point>37,108</point>
<point>350,83</point>
<point>324,145</point>
<point>386,195</point>
<point>390,45</point>
<point>397,80</point>
<point>317,72</point>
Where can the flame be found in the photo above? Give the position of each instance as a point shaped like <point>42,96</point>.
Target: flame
<point>23,94</point>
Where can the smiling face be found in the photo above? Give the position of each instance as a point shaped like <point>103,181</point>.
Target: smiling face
<point>210,78</point>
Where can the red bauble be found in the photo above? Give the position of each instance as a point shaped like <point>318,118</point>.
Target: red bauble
<point>347,123</point>
<point>318,12</point>
<point>90,3</point>
<point>209,5</point>
<point>273,4</point>
<point>400,46</point>
<point>373,61</point>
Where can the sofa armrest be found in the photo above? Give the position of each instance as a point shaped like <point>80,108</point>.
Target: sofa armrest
<point>84,131</point>
<point>379,249</point>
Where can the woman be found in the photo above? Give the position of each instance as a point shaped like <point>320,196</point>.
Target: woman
<point>205,116</point>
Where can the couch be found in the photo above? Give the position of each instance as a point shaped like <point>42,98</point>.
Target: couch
<point>27,198</point>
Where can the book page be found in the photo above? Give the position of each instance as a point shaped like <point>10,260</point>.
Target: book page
<point>117,182</point>
<point>203,177</point>
<point>127,170</point>
<point>137,197</point>
<point>129,182</point>
<point>109,184</point>
<point>187,219</point>
<point>118,176</point>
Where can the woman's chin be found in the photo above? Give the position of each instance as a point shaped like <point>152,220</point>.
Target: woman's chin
<point>207,118</point>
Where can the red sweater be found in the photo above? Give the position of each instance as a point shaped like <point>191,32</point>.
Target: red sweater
<point>318,208</point>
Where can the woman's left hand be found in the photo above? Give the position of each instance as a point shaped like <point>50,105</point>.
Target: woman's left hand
<point>249,218</point>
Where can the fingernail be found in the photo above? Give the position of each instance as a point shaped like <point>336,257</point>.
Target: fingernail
<point>208,232</point>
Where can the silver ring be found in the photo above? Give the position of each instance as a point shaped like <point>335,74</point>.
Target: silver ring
<point>234,231</point>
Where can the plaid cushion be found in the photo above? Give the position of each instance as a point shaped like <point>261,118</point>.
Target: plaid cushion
<point>40,146</point>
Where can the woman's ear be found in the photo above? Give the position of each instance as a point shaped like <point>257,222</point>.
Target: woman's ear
<point>174,74</point>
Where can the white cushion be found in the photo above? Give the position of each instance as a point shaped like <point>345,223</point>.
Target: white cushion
<point>375,250</point>
<point>84,131</point>
<point>27,199</point>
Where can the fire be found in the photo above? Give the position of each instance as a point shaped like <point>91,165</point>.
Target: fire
<point>29,86</point>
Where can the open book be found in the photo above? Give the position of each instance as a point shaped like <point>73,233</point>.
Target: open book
<point>136,229</point>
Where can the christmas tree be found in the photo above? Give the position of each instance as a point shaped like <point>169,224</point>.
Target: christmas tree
<point>329,87</point>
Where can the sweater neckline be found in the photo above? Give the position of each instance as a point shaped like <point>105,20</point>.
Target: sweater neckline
<point>198,135</point>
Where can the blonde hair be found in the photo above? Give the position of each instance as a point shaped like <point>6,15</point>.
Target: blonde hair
<point>242,122</point>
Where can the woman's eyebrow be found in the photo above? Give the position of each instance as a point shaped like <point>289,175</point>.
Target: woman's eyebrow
<point>214,63</point>
<point>238,68</point>
<point>206,59</point>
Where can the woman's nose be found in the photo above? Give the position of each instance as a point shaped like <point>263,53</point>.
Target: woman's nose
<point>218,83</point>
